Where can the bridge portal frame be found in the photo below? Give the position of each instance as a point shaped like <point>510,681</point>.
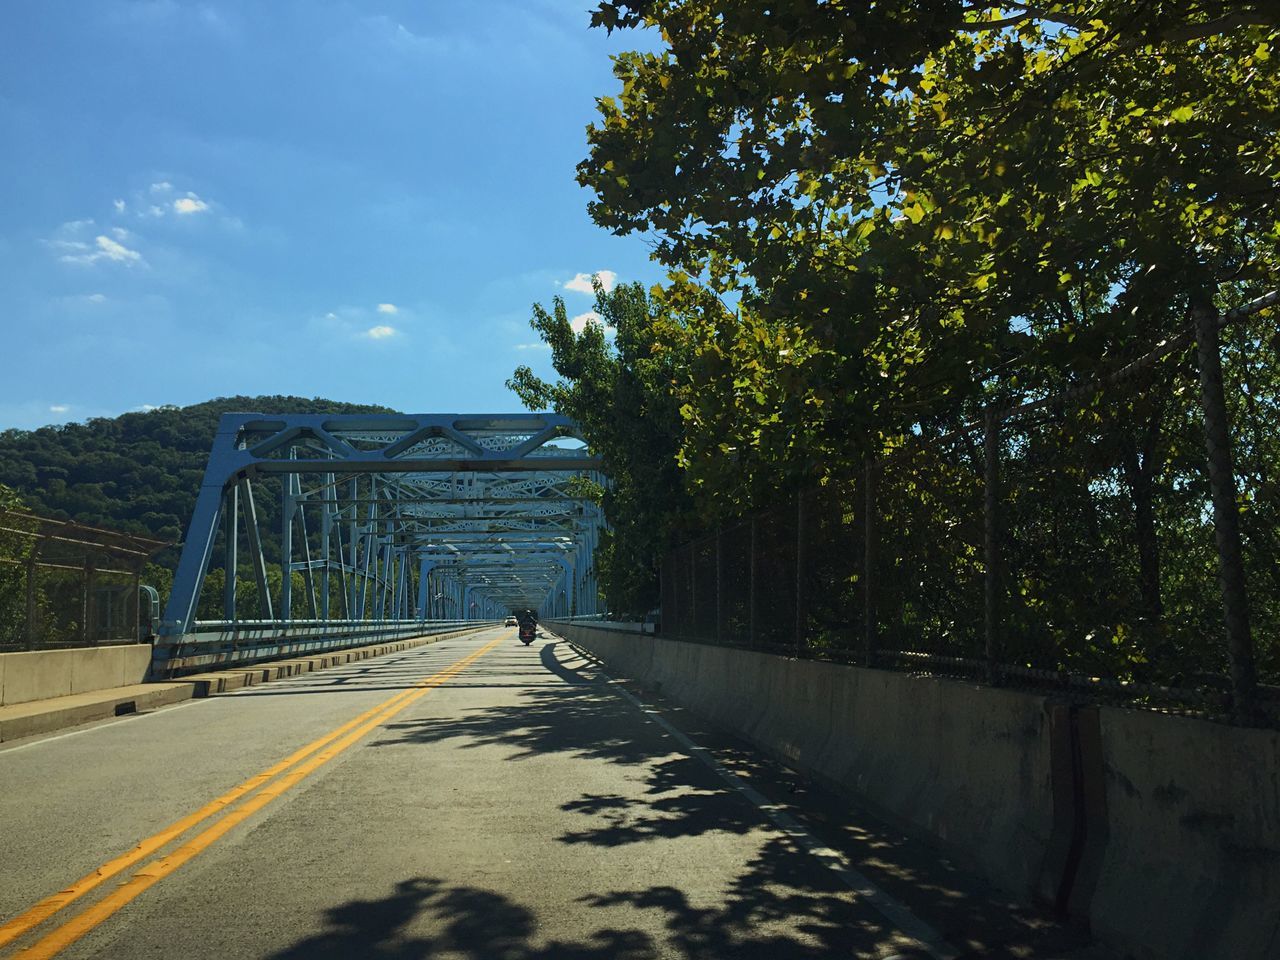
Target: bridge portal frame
<point>480,510</point>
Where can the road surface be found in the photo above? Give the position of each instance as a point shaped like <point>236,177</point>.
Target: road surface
<point>474,798</point>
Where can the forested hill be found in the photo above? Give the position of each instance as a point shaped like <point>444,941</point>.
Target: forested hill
<point>138,472</point>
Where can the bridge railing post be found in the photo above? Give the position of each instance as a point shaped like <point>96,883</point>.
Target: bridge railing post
<point>802,613</point>
<point>752,591</point>
<point>869,544</point>
<point>991,538</point>
<point>720,585</point>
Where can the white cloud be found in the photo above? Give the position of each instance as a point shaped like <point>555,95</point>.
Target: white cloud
<point>380,332</point>
<point>107,249</point>
<point>96,298</point>
<point>119,205</point>
<point>59,407</point>
<point>579,323</point>
<point>390,308</point>
<point>581,282</point>
<point>533,346</point>
<point>164,186</point>
<point>147,407</point>
<point>120,233</point>
<point>118,252</point>
<point>189,204</point>
<point>68,245</point>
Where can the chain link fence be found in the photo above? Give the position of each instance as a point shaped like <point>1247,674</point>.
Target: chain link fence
<point>66,584</point>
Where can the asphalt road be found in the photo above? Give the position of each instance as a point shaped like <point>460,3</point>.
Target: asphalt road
<point>470,799</point>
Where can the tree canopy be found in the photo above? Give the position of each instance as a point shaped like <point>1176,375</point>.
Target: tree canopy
<point>618,390</point>
<point>916,196</point>
<point>880,220</point>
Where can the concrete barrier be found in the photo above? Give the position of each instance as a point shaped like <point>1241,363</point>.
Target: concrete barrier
<point>44,674</point>
<point>1162,832</point>
<point>1191,868</point>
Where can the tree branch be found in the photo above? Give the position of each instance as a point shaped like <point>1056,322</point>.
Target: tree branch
<point>1221,25</point>
<point>1029,11</point>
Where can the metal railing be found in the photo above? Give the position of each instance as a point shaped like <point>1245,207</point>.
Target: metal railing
<point>1071,541</point>
<point>215,644</point>
<point>65,584</point>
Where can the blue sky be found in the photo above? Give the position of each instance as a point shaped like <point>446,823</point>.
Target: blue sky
<point>354,200</point>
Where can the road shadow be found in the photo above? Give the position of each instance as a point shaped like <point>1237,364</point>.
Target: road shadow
<point>783,903</point>
<point>426,917</point>
<point>579,716</point>
<point>548,657</point>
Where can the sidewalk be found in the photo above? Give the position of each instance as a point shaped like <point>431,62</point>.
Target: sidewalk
<point>45,716</point>
<point>56,713</point>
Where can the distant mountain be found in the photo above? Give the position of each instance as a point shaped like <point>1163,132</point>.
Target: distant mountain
<point>138,472</point>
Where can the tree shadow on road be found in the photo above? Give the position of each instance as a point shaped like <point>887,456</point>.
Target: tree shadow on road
<point>579,716</point>
<point>426,917</point>
<point>783,904</point>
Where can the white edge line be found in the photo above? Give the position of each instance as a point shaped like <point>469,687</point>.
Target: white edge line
<point>132,718</point>
<point>892,909</point>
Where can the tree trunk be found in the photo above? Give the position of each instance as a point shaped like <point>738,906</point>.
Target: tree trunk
<point>1226,515</point>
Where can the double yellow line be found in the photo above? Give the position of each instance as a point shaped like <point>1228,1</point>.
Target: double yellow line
<point>298,764</point>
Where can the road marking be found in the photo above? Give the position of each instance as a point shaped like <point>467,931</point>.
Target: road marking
<point>360,724</point>
<point>892,909</point>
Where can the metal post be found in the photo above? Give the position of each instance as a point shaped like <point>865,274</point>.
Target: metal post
<point>424,589</point>
<point>343,591</point>
<point>32,609</point>
<point>326,529</point>
<point>802,613</point>
<point>308,574</point>
<point>402,586</point>
<point>869,543</point>
<point>693,589</point>
<point>87,602</point>
<point>720,584</point>
<point>137,605</point>
<point>752,617</point>
<point>287,506</point>
<point>255,545</point>
<point>1226,515</point>
<point>671,618</point>
<point>231,545</point>
<point>991,536</point>
<point>353,544</point>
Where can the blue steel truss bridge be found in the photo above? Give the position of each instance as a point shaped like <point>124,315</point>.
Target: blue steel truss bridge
<point>387,525</point>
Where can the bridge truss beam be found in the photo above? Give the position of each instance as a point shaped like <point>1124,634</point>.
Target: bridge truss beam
<point>389,519</point>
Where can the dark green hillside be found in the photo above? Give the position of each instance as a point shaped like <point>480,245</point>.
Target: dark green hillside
<point>138,472</point>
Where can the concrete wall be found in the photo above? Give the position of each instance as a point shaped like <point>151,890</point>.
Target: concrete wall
<point>43,674</point>
<point>1192,859</point>
<point>1179,825</point>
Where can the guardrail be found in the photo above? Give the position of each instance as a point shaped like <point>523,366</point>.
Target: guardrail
<point>215,644</point>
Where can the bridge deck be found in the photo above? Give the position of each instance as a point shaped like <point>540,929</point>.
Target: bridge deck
<point>516,806</point>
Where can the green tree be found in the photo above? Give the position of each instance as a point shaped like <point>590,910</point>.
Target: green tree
<point>921,188</point>
<point>619,391</point>
<point>14,550</point>
<point>922,209</point>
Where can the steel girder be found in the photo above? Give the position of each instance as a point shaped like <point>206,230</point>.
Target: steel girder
<point>394,519</point>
